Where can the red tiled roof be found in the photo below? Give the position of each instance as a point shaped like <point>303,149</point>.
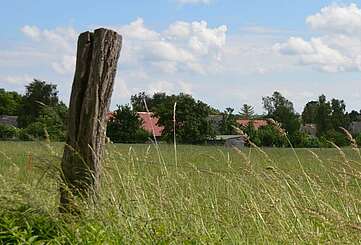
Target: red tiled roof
<point>257,123</point>
<point>150,123</point>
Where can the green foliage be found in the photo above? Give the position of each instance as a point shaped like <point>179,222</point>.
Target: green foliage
<point>53,121</point>
<point>271,137</point>
<point>247,111</point>
<point>358,140</point>
<point>34,131</point>
<point>323,118</point>
<point>338,116</point>
<point>9,102</point>
<point>337,137</point>
<point>309,113</point>
<point>191,125</point>
<point>228,122</point>
<point>303,140</point>
<point>125,126</point>
<point>8,132</point>
<point>354,116</point>
<point>38,93</point>
<point>281,110</point>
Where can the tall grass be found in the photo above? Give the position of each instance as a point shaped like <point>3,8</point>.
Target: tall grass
<point>213,195</point>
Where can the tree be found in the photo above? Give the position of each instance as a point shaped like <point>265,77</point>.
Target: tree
<point>228,122</point>
<point>323,116</point>
<point>38,93</point>
<point>247,111</point>
<point>339,117</point>
<point>9,102</point>
<point>191,125</point>
<point>309,113</point>
<point>125,126</point>
<point>281,110</point>
<point>137,101</point>
<point>354,116</point>
<point>271,137</point>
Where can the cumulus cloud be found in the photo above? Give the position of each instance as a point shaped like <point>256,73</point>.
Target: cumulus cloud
<point>337,18</point>
<point>170,87</point>
<point>183,46</point>
<point>16,80</point>
<point>59,44</point>
<point>338,50</point>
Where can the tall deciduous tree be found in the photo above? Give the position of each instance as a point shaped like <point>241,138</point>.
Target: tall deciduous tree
<point>323,116</point>
<point>338,116</point>
<point>281,110</point>
<point>125,126</point>
<point>9,102</point>
<point>228,122</point>
<point>38,93</point>
<point>191,125</point>
<point>309,113</point>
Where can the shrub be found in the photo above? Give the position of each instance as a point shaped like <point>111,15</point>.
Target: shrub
<point>8,132</point>
<point>269,136</point>
<point>303,140</point>
<point>337,137</point>
<point>358,140</point>
<point>35,130</point>
<point>311,142</point>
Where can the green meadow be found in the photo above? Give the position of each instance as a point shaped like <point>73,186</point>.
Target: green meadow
<point>189,195</point>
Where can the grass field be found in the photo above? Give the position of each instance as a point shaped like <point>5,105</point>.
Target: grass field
<point>209,195</point>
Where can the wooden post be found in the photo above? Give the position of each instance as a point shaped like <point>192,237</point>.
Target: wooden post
<point>96,64</point>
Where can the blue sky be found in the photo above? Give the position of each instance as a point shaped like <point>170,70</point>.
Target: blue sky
<point>224,52</point>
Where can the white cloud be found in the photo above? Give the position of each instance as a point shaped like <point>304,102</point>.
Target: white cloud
<point>65,66</point>
<point>339,50</point>
<point>183,46</point>
<point>58,43</point>
<point>337,18</point>
<point>169,87</point>
<point>17,80</point>
<point>31,31</point>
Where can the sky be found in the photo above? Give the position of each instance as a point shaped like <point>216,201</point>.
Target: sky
<point>223,52</point>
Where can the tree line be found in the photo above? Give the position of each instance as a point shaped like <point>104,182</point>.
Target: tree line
<point>40,108</point>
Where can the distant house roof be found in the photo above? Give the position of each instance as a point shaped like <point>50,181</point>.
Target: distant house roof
<point>227,137</point>
<point>150,123</point>
<point>9,120</point>
<point>309,128</point>
<point>257,123</point>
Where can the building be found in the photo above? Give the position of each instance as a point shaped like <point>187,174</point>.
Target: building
<point>8,120</point>
<point>309,128</point>
<point>237,141</point>
<point>355,128</point>
<point>149,123</point>
<point>257,123</point>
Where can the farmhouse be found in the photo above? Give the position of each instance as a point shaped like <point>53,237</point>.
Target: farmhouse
<point>257,123</point>
<point>8,120</point>
<point>150,123</point>
<point>237,141</point>
<point>309,128</point>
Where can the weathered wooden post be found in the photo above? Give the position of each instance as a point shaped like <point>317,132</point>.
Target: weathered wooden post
<point>96,64</point>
